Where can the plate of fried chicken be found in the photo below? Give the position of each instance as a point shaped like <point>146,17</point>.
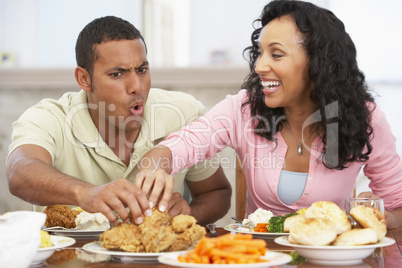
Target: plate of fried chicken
<point>155,236</point>
<point>68,218</point>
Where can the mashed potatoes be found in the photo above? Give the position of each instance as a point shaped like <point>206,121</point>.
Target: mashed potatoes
<point>98,221</point>
<point>258,216</point>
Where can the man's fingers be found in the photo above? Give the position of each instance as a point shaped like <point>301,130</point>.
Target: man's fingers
<point>136,200</point>
<point>178,205</point>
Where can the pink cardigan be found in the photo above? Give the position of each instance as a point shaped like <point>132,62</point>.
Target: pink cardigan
<point>227,124</point>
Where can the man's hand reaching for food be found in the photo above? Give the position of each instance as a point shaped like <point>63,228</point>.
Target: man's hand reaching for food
<point>178,205</point>
<point>116,196</point>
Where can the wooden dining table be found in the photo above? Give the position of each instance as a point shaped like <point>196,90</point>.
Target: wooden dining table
<point>75,256</point>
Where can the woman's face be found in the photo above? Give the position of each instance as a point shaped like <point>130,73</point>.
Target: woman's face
<point>283,65</point>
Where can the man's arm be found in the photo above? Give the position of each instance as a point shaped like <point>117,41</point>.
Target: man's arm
<point>32,177</point>
<point>210,199</point>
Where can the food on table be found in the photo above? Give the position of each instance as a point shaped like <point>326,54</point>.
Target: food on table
<point>227,249</point>
<point>301,211</point>
<point>296,258</point>
<point>261,228</point>
<point>370,217</point>
<point>289,221</point>
<point>356,237</point>
<point>276,223</point>
<point>158,233</point>
<point>98,221</point>
<point>45,240</point>
<point>60,215</point>
<point>316,227</point>
<point>330,211</point>
<point>258,216</point>
<point>313,232</point>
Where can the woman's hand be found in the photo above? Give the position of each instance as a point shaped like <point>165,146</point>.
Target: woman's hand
<point>157,185</point>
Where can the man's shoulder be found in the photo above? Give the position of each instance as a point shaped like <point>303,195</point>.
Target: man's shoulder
<point>65,101</point>
<point>169,101</point>
<point>48,109</point>
<point>157,95</point>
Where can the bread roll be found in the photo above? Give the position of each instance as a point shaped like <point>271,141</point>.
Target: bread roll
<point>312,232</point>
<point>330,211</point>
<point>370,217</point>
<point>289,221</point>
<point>356,237</point>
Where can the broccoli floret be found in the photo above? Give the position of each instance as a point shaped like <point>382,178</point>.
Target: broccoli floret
<point>276,223</point>
<point>296,258</point>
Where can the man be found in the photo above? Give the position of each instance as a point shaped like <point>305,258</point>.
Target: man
<point>83,149</point>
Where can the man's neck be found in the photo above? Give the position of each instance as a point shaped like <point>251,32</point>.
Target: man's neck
<point>121,143</point>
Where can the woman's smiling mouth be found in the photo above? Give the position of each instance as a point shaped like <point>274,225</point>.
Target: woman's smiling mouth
<point>270,87</point>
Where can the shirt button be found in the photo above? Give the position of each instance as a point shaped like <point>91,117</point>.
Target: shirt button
<point>312,161</point>
<point>305,193</point>
<point>314,145</point>
<point>310,178</point>
<point>298,203</point>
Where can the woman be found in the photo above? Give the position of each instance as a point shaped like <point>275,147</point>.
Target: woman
<point>304,125</point>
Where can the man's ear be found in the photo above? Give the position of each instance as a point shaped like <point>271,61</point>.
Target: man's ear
<point>83,79</point>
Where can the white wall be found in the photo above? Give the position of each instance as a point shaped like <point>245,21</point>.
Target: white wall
<point>42,33</point>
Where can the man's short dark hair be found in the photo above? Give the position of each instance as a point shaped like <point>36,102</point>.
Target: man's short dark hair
<point>100,30</point>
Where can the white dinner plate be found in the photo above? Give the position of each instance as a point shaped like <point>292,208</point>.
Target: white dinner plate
<point>234,227</point>
<point>275,258</point>
<point>95,247</point>
<point>58,243</point>
<point>76,233</point>
<point>334,255</point>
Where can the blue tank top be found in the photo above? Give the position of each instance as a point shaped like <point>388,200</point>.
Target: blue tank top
<point>291,186</point>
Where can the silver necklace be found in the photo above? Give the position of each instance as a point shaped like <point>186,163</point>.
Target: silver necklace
<point>299,147</point>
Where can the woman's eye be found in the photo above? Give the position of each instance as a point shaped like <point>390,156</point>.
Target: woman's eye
<point>276,56</point>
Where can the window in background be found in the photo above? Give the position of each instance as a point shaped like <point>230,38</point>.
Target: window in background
<point>166,32</point>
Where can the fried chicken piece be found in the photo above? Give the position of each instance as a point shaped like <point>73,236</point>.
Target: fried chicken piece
<point>60,215</point>
<point>123,236</point>
<point>156,231</point>
<point>189,236</point>
<point>182,222</point>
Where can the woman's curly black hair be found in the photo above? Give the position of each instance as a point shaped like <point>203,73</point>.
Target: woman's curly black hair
<point>336,77</point>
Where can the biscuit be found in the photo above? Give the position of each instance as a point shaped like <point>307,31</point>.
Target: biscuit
<point>330,211</point>
<point>289,221</point>
<point>312,232</point>
<point>369,217</point>
<point>356,237</point>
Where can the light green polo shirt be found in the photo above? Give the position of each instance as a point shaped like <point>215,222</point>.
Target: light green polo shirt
<point>65,129</point>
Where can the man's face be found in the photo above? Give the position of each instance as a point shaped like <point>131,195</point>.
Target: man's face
<point>120,85</point>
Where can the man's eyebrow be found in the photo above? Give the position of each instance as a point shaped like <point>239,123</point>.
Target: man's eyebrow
<point>122,69</point>
<point>145,63</point>
<point>119,69</point>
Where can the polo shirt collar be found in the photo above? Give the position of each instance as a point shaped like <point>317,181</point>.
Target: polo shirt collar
<point>83,126</point>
